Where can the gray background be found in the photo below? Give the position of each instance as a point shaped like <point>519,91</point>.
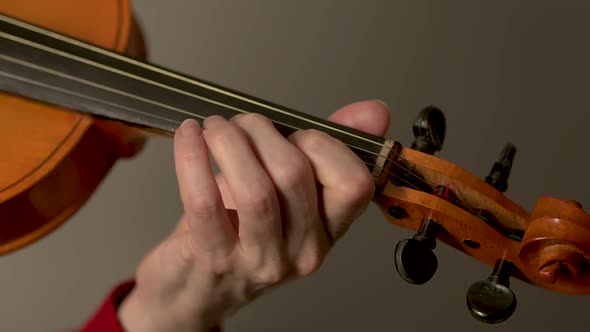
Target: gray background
<point>502,70</point>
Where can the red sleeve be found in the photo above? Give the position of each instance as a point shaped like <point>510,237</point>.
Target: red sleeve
<point>105,319</point>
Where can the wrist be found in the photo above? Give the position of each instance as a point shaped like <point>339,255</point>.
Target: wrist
<point>137,313</point>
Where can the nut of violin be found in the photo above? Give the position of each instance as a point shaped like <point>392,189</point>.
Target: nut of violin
<point>555,248</point>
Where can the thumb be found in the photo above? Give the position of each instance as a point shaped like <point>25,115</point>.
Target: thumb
<point>371,116</point>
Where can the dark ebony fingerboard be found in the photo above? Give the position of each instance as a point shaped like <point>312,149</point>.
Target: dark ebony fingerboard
<point>56,69</point>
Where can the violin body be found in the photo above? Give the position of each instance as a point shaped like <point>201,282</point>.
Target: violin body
<point>53,159</point>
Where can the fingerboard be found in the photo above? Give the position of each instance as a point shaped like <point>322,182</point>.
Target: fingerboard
<point>60,70</point>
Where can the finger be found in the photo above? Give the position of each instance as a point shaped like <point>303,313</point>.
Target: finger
<point>252,190</point>
<point>228,200</point>
<point>204,211</point>
<point>372,117</point>
<point>291,174</point>
<point>346,184</point>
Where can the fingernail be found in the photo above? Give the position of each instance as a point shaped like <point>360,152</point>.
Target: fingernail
<point>382,103</point>
<point>190,127</point>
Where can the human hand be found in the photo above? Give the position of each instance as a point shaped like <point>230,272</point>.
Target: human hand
<point>271,216</point>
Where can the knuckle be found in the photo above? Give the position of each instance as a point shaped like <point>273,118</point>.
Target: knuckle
<point>218,266</point>
<point>261,199</point>
<point>189,157</point>
<point>202,206</point>
<point>194,254</point>
<point>313,252</point>
<point>292,170</point>
<point>310,263</point>
<point>358,187</point>
<point>311,139</point>
<point>271,273</point>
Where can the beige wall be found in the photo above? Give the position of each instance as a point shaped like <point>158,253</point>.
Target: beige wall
<point>501,70</point>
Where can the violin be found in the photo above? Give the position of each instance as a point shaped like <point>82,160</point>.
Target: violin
<point>88,97</point>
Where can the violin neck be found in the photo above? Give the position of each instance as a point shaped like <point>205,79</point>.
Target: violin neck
<point>52,68</point>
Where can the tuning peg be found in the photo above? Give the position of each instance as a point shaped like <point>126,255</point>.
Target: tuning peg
<point>429,130</point>
<point>492,301</point>
<point>500,171</point>
<point>415,260</point>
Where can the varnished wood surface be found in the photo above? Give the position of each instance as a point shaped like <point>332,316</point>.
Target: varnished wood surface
<point>61,160</point>
<point>557,233</point>
<point>66,159</point>
<point>53,159</point>
<point>556,246</point>
<point>78,19</point>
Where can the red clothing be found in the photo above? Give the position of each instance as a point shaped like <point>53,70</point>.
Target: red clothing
<point>105,319</point>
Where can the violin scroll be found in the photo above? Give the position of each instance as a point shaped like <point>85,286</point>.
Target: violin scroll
<point>556,245</point>
<point>442,202</point>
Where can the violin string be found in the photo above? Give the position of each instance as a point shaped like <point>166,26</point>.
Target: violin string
<point>122,73</point>
<point>84,96</point>
<point>129,95</point>
<point>176,122</point>
<point>117,91</point>
<point>166,73</point>
<point>153,68</point>
<point>159,71</point>
<point>156,69</point>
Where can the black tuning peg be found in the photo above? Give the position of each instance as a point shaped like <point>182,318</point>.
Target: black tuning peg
<point>429,130</point>
<point>500,171</point>
<point>492,301</point>
<point>415,260</point>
